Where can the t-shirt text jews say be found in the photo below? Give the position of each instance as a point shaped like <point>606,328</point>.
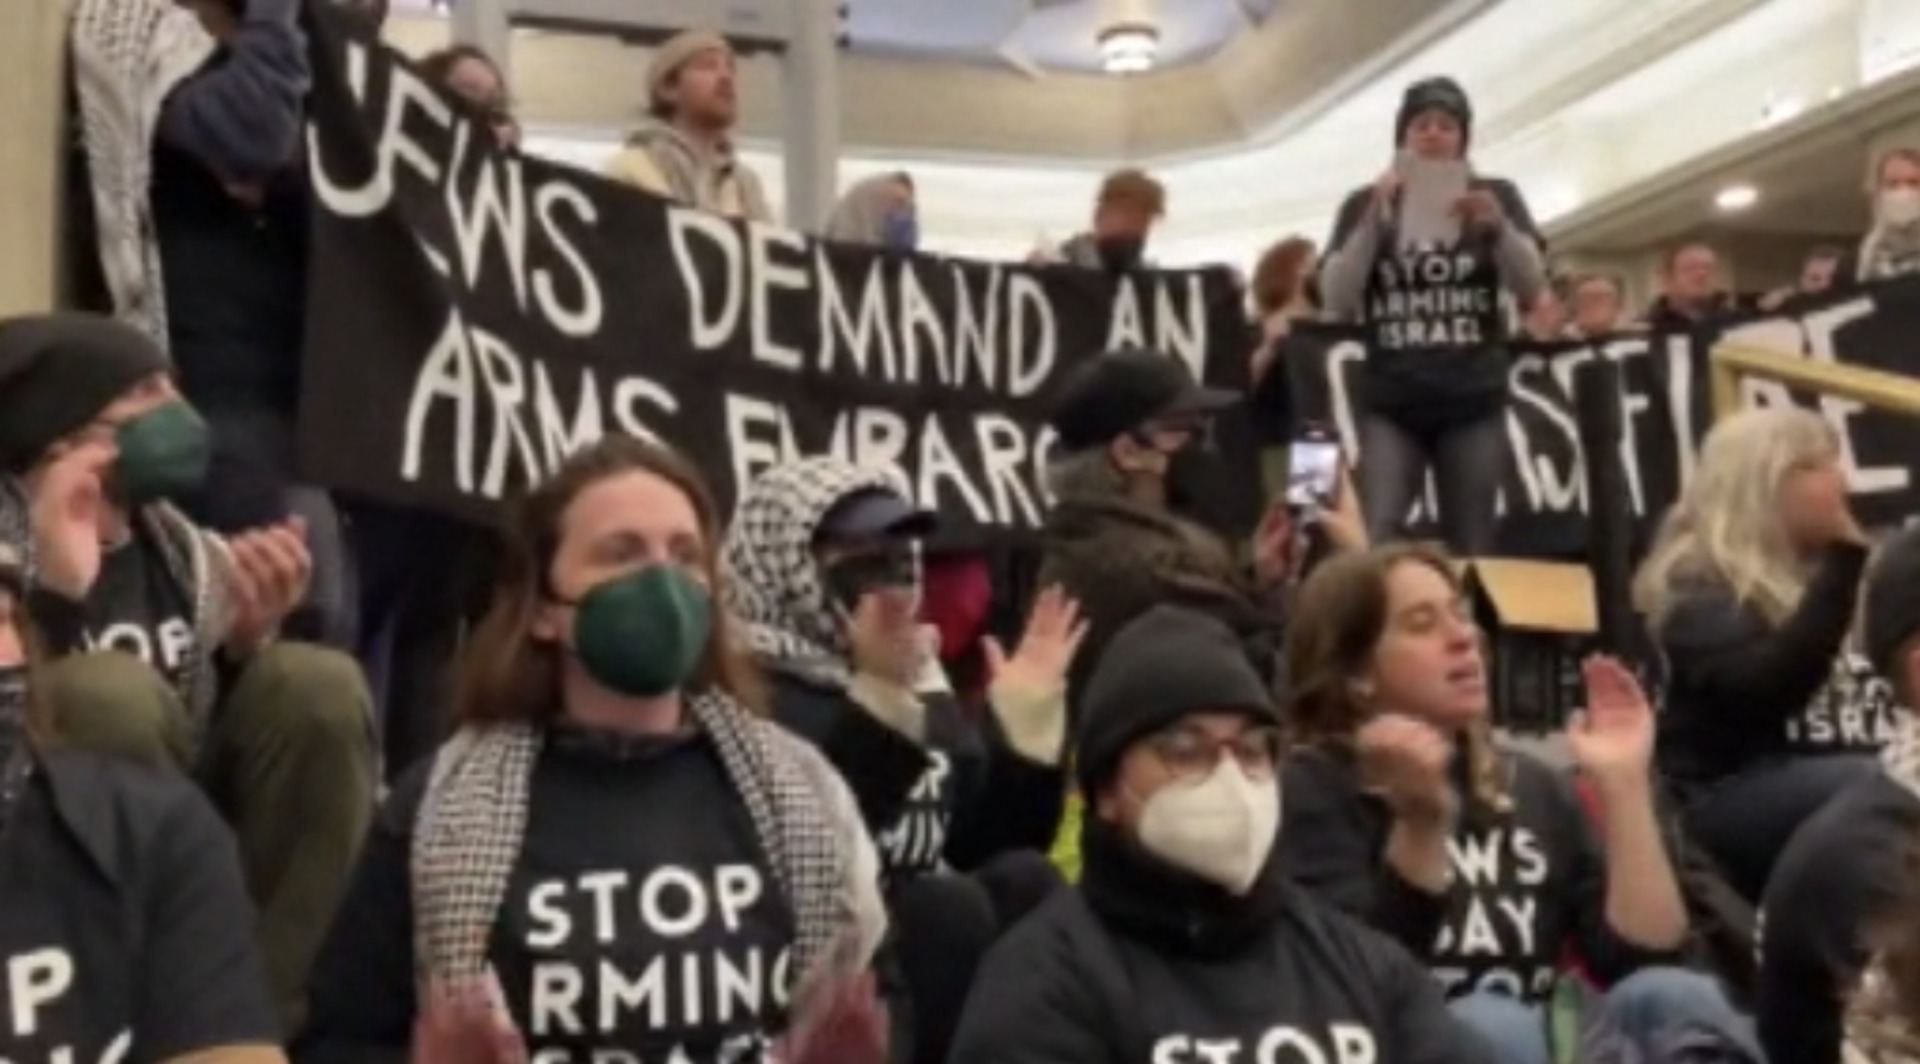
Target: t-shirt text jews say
<point>672,965</point>
<point>1491,938</point>
<point>1432,297</point>
<point>46,1018</point>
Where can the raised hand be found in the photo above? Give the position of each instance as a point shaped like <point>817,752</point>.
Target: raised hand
<point>1611,739</point>
<point>465,1025</point>
<point>67,503</point>
<point>271,570</point>
<point>1406,762</point>
<point>1047,645</point>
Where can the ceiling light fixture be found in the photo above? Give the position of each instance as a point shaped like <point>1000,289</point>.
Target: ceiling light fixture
<point>1736,198</point>
<point>1129,47</point>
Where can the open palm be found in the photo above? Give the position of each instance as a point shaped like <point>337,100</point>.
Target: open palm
<point>1047,645</point>
<point>1613,734</point>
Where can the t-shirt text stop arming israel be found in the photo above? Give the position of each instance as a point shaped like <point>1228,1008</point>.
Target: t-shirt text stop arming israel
<point>477,316</point>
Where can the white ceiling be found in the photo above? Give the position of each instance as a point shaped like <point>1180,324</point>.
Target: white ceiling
<point>1049,34</point>
<point>1033,35</point>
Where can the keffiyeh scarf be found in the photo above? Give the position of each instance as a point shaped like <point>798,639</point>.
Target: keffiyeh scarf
<point>473,819</point>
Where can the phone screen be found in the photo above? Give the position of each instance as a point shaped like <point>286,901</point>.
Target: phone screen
<point>1313,474</point>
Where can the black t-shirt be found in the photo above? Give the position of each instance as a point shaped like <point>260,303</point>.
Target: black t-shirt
<point>1529,885</point>
<point>124,922</point>
<point>1743,691</point>
<point>664,941</point>
<point>641,922</point>
<point>137,608</point>
<point>1844,869</point>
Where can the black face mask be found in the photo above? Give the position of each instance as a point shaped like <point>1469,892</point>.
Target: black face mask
<point>850,579</point>
<point>1121,253</point>
<point>1197,485</point>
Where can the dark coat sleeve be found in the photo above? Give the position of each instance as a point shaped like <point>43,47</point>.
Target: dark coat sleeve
<point>1333,846</point>
<point>1005,802</point>
<point>243,113</point>
<point>360,995</point>
<point>1722,655</point>
<point>881,765</point>
<point>1033,1002</point>
<point>204,989</point>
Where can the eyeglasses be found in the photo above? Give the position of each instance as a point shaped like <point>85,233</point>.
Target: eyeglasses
<point>1189,753</point>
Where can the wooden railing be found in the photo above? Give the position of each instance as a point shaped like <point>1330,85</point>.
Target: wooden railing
<point>1732,363</point>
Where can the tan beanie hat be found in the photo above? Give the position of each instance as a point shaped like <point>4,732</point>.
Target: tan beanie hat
<point>674,53</point>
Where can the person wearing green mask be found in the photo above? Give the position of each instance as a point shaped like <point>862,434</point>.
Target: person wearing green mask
<point>614,821</point>
<point>163,634</point>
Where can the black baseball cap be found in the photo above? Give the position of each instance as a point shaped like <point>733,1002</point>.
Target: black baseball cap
<point>1890,601</point>
<point>1116,393</point>
<point>876,513</point>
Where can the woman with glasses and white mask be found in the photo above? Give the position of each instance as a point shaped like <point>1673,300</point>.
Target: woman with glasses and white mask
<point>1183,941</point>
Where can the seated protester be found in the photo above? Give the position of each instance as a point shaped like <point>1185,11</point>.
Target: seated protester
<point>170,655</point>
<point>1749,591</point>
<point>603,690</point>
<point>1480,860</point>
<point>126,927</point>
<point>1848,868</point>
<point>1183,942</point>
<point>823,567</point>
<point>822,563</point>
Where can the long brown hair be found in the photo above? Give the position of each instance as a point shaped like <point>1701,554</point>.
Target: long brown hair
<point>1280,275</point>
<point>1340,615</point>
<point>505,674</point>
<point>33,649</point>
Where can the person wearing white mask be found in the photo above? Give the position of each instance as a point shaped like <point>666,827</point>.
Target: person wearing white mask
<point>1891,247</point>
<point>1183,941</point>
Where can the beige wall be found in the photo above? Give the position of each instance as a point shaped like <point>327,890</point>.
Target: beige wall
<point>31,34</point>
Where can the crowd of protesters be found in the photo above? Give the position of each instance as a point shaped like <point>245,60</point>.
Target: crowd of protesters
<point>633,780</point>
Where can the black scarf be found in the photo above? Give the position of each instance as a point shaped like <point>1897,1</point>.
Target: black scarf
<point>1145,898</point>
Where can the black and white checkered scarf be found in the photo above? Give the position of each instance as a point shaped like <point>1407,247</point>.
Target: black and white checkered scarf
<point>473,819</point>
<point>127,57</point>
<point>772,583</point>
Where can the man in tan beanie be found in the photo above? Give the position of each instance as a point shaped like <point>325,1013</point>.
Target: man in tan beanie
<point>686,151</point>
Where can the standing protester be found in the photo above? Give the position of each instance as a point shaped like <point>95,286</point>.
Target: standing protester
<point>1840,885</point>
<point>476,79</point>
<point>1749,591</point>
<point>1691,297</point>
<point>1429,293</point>
<point>1280,297</point>
<point>1129,204</point>
<point>879,211</point>
<point>1891,248</point>
<point>125,924</point>
<point>1480,860</point>
<point>190,121</point>
<point>1597,302</point>
<point>686,151</point>
<point>1184,940</point>
<point>167,651</point>
<point>613,813</point>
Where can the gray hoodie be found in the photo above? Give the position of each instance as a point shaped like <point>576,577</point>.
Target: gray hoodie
<point>664,161</point>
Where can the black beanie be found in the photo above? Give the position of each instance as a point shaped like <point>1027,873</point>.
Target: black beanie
<point>1166,664</point>
<point>1890,602</point>
<point>1434,94</point>
<point>58,372</point>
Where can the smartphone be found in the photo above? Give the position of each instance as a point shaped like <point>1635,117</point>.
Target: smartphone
<point>1430,195</point>
<point>1313,474</point>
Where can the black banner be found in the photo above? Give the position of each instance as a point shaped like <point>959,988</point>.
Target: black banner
<point>1666,406</point>
<point>476,316</point>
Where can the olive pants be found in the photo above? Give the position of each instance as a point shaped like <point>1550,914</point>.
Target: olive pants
<point>288,759</point>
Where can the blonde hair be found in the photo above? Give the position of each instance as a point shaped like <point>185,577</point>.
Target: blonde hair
<point>1727,523</point>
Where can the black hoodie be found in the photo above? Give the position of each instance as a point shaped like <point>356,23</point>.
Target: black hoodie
<point>1144,963</point>
<point>1528,884</point>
